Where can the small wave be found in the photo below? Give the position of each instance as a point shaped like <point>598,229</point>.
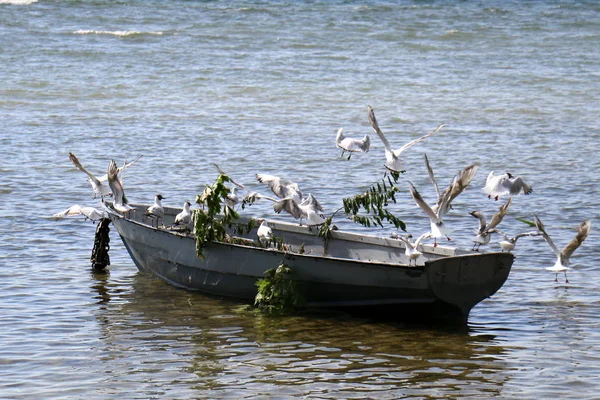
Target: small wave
<point>18,2</point>
<point>114,33</point>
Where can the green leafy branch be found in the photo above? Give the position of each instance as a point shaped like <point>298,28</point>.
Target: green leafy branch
<point>277,292</point>
<point>211,221</point>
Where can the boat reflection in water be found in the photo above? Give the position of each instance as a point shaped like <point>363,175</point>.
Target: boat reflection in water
<point>177,343</point>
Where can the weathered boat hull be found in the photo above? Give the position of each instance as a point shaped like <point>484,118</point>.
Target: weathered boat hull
<point>444,286</point>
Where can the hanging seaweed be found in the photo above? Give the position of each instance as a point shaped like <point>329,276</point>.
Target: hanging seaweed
<point>211,221</point>
<point>277,292</point>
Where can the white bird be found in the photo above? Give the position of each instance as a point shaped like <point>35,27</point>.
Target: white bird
<point>233,197</point>
<point>563,256</point>
<point>412,248</point>
<point>156,210</point>
<point>484,233</point>
<point>264,232</point>
<point>393,162</point>
<point>437,213</point>
<point>253,197</point>
<point>509,243</point>
<point>307,209</point>
<point>119,202</point>
<point>90,213</point>
<point>184,218</point>
<point>352,145</point>
<point>505,184</point>
<point>282,188</point>
<point>99,185</point>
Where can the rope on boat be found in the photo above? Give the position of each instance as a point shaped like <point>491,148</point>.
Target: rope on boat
<point>100,258</point>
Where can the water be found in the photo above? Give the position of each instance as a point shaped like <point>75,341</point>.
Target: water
<point>263,87</point>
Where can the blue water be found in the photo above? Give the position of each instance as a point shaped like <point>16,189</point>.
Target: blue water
<point>263,87</point>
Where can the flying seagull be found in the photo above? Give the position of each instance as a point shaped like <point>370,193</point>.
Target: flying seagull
<point>505,184</point>
<point>351,145</point>
<point>99,185</point>
<point>438,211</point>
<point>509,243</point>
<point>485,230</point>
<point>117,190</point>
<point>393,162</point>
<point>91,213</point>
<point>308,209</point>
<point>282,188</point>
<point>563,256</point>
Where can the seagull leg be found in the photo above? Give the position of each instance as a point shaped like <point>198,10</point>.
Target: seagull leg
<point>496,198</point>
<point>349,156</point>
<point>343,151</point>
<point>566,279</point>
<point>556,278</point>
<point>489,196</point>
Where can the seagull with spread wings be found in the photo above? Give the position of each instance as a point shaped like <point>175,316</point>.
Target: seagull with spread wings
<point>563,257</point>
<point>352,145</point>
<point>282,188</point>
<point>412,251</point>
<point>393,161</point>
<point>484,233</point>
<point>308,209</point>
<point>505,184</point>
<point>509,243</point>
<point>438,211</point>
<point>91,213</point>
<point>114,183</point>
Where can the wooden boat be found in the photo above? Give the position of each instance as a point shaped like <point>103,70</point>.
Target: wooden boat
<point>358,273</point>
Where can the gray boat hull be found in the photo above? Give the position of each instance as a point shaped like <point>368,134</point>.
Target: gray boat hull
<point>444,286</point>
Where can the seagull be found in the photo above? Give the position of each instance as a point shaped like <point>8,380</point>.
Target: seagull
<point>505,184</point>
<point>352,145</point>
<point>253,197</point>
<point>437,212</point>
<point>99,185</point>
<point>117,190</point>
<point>282,188</point>
<point>264,232</point>
<point>233,198</point>
<point>184,218</point>
<point>156,210</point>
<point>412,252</point>
<point>393,162</point>
<point>307,209</point>
<point>563,256</point>
<point>509,243</point>
<point>484,233</point>
<point>91,213</point>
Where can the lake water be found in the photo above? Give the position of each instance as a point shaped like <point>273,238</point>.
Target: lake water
<point>263,87</point>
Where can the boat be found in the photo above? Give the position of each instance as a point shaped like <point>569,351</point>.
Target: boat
<point>359,273</point>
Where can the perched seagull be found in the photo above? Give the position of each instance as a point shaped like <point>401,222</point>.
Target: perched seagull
<point>282,188</point>
<point>509,243</point>
<point>117,190</point>
<point>99,185</point>
<point>412,249</point>
<point>91,213</point>
<point>264,232</point>
<point>505,184</point>
<point>393,162</point>
<point>156,210</point>
<point>563,256</point>
<point>352,145</point>
<point>485,231</point>
<point>307,209</point>
<point>184,218</point>
<point>233,197</point>
<point>437,212</point>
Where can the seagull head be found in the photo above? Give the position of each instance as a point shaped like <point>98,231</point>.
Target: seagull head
<point>159,196</point>
<point>509,175</point>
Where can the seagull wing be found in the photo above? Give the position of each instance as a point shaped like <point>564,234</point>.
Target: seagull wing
<point>423,236</point>
<point>115,184</point>
<point>515,185</point>
<point>540,226</point>
<point>497,218</point>
<point>73,210</point>
<point>80,167</point>
<point>458,185</point>
<point>312,202</point>
<point>423,205</point>
<point>482,221</point>
<point>289,205</point>
<point>389,153</point>
<point>413,142</point>
<point>432,177</point>
<point>520,235</point>
<point>277,185</point>
<point>339,137</point>
<point>582,234</point>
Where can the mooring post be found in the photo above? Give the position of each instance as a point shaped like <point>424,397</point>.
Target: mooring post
<point>100,258</point>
